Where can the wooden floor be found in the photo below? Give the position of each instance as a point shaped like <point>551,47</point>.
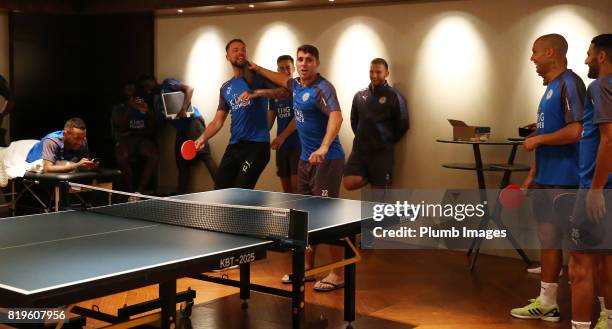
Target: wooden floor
<point>395,289</point>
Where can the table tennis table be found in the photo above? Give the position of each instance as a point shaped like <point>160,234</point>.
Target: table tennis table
<point>60,259</point>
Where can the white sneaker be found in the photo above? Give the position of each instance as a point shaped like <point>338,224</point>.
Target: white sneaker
<point>538,270</point>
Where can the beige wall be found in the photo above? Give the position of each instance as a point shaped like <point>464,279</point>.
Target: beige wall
<point>460,59</point>
<point>4,53</point>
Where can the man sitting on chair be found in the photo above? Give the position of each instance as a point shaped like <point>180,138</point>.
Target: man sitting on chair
<point>64,150</point>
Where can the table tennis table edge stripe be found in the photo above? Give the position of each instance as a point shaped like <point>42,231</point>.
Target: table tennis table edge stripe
<point>147,197</point>
<point>31,292</point>
<point>275,192</point>
<point>305,198</point>
<point>27,292</point>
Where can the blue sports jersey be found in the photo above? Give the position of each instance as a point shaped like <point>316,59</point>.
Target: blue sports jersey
<point>597,110</point>
<point>312,105</point>
<point>171,85</point>
<point>58,152</point>
<point>283,110</point>
<point>249,119</point>
<point>561,104</point>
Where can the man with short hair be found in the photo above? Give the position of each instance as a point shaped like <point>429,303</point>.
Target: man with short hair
<point>591,224</point>
<point>248,151</point>
<point>379,119</point>
<point>64,150</point>
<point>318,121</point>
<point>287,142</point>
<point>559,125</point>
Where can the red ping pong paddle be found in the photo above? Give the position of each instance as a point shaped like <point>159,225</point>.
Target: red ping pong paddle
<point>188,150</point>
<point>512,197</point>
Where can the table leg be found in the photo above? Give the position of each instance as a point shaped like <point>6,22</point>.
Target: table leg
<point>474,246</point>
<point>297,288</point>
<point>506,179</point>
<point>349,285</point>
<point>245,282</point>
<point>13,197</point>
<point>110,195</point>
<point>479,167</point>
<point>56,198</point>
<point>496,217</point>
<point>167,298</point>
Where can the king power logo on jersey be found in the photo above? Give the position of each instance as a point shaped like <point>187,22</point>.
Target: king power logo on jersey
<point>237,104</point>
<point>284,112</point>
<point>540,120</point>
<point>299,116</point>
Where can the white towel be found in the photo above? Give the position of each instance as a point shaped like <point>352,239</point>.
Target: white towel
<point>13,160</point>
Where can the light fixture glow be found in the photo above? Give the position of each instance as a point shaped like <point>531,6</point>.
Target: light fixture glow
<point>251,6</point>
<point>180,11</point>
<point>356,45</point>
<point>567,21</point>
<point>452,70</point>
<point>277,39</point>
<point>574,28</point>
<point>350,63</point>
<point>207,47</point>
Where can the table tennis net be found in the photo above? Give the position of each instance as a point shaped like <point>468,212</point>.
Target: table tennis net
<point>264,222</point>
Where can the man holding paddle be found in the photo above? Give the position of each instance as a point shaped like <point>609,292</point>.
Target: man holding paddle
<point>248,151</point>
<point>558,129</point>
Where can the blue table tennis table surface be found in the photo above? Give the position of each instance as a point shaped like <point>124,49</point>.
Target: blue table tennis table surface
<point>50,253</point>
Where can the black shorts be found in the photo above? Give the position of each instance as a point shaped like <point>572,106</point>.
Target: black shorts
<point>136,145</point>
<point>195,128</point>
<point>589,236</point>
<point>543,197</point>
<point>287,161</point>
<point>242,164</point>
<point>321,180</point>
<point>376,166</point>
